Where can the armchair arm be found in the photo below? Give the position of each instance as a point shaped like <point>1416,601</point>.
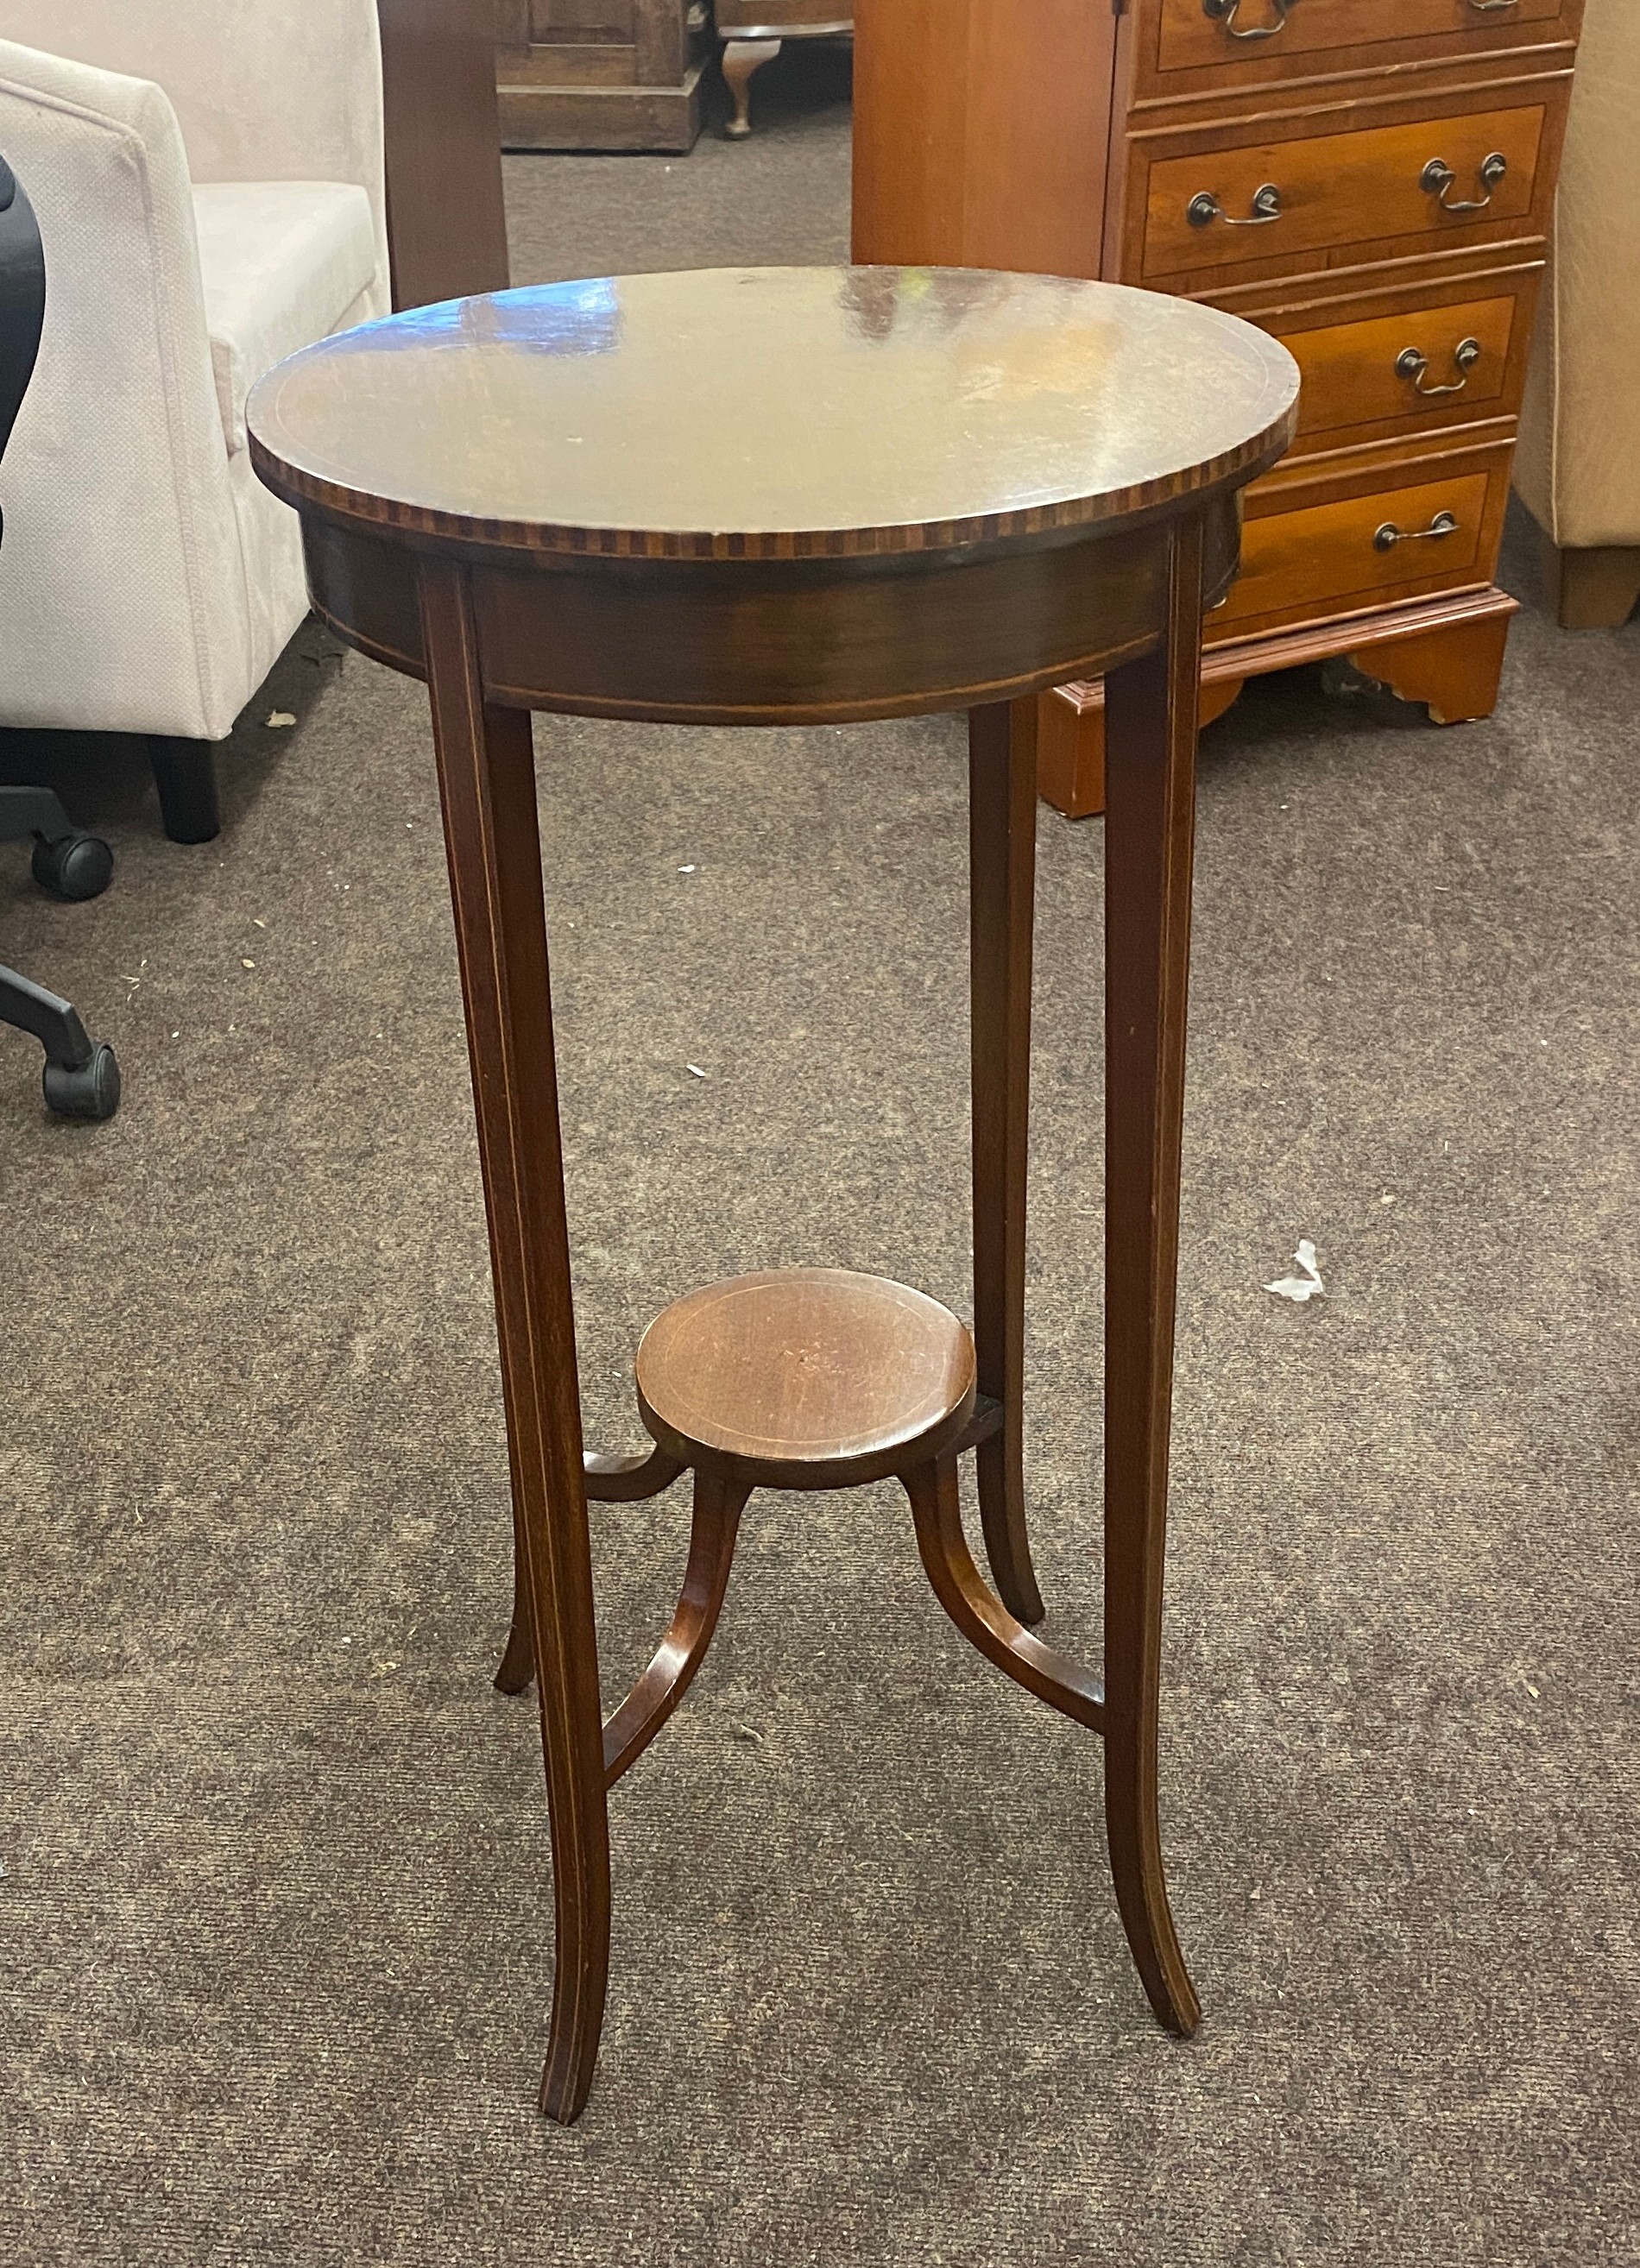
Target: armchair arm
<point>120,565</point>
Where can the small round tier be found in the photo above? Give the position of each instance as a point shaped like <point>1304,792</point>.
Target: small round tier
<point>806,1377</point>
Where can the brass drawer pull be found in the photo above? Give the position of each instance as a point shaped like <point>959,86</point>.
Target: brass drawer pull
<point>1224,12</point>
<point>1205,207</point>
<point>1385,537</point>
<point>1437,177</point>
<point>1410,363</point>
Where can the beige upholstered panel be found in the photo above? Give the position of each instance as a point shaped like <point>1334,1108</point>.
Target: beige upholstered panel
<point>148,581</point>
<point>263,90</point>
<point>120,572</point>
<point>283,263</point>
<point>1578,465</point>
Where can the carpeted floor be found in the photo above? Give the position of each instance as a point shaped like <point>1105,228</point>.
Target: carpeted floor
<point>276,1938</point>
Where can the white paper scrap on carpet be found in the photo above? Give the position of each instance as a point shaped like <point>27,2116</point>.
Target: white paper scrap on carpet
<point>1302,1288</point>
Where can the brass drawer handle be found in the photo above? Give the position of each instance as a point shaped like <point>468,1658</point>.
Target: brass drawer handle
<point>1205,207</point>
<point>1410,363</point>
<point>1385,537</point>
<point>1224,12</point>
<point>1437,177</point>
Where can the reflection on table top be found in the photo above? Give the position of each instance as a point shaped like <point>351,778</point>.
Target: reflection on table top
<point>774,411</point>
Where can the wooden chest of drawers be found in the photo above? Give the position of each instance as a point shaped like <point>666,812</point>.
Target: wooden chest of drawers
<point>1369,179</point>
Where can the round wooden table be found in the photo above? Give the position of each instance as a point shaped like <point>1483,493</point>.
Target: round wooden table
<point>598,497</point>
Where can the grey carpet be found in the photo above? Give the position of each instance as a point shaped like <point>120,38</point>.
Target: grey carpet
<point>275,1909</point>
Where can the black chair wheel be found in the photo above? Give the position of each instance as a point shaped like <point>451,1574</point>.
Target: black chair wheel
<point>92,1092</point>
<point>74,866</point>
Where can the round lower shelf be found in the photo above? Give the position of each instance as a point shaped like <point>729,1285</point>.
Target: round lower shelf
<point>805,1377</point>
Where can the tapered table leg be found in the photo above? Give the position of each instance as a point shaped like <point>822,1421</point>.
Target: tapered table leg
<point>1002,862</point>
<point>1150,715</point>
<point>486,774</point>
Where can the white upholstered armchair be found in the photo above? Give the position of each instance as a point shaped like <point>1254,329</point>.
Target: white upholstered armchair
<point>208,178</point>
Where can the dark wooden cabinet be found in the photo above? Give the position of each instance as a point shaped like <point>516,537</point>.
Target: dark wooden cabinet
<point>1372,180</point>
<point>600,74</point>
<point>447,220</point>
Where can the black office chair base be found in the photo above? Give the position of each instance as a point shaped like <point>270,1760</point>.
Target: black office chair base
<point>81,1078</point>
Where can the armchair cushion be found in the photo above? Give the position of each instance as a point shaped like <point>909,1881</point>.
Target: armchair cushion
<point>281,263</point>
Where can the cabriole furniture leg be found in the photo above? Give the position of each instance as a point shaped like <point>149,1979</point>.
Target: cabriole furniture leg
<point>740,59</point>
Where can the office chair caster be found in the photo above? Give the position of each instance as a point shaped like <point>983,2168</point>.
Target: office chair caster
<point>87,1090</point>
<point>74,865</point>
<point>81,1078</point>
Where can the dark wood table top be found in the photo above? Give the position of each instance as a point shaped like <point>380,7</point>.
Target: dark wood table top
<point>774,413</point>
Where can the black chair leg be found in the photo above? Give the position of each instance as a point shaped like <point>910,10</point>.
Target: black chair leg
<point>26,810</point>
<point>185,772</point>
<point>81,1078</point>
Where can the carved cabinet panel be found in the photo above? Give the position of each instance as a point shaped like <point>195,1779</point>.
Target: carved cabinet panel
<point>600,74</point>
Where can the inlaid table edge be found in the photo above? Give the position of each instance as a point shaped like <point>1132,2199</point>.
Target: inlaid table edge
<point>447,534</point>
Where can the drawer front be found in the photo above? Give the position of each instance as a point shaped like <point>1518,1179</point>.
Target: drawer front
<point>1338,557</point>
<point>1406,366</point>
<point>1245,36</point>
<point>1322,192</point>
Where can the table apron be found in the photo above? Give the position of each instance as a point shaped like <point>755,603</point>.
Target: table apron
<point>776,642</point>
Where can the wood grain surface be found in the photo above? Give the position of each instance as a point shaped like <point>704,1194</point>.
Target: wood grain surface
<point>1063,138</point>
<point>1338,188</point>
<point>447,222</point>
<point>1184,37</point>
<point>804,1376</point>
<point>965,150</point>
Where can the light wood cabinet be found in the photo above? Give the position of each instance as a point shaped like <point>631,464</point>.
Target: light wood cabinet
<point>1372,180</point>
